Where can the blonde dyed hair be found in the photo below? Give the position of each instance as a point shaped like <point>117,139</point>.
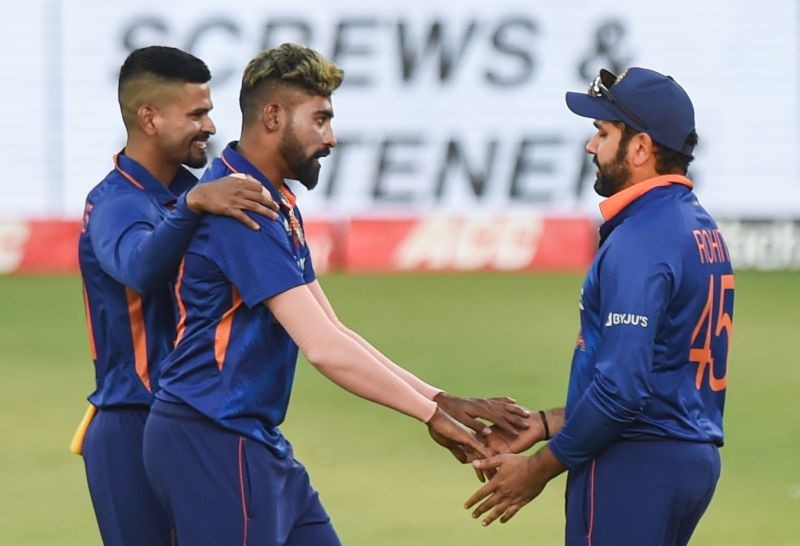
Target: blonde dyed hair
<point>286,67</point>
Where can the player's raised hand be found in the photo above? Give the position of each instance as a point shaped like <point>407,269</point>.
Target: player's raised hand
<point>503,412</point>
<point>231,196</point>
<point>451,434</point>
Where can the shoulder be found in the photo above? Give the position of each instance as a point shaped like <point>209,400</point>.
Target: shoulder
<point>640,242</point>
<point>121,202</point>
<point>115,187</point>
<point>231,231</point>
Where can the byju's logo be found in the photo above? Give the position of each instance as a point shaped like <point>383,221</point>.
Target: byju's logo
<point>615,319</point>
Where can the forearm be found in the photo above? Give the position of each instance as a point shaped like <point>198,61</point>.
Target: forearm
<point>588,431</point>
<point>416,383</point>
<point>348,364</point>
<point>548,464</point>
<point>426,390</point>
<point>342,359</point>
<point>554,420</point>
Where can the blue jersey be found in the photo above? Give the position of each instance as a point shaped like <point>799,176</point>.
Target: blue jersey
<point>233,361</point>
<point>134,233</point>
<point>656,318</point>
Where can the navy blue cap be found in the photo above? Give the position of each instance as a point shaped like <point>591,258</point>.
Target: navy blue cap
<point>649,102</point>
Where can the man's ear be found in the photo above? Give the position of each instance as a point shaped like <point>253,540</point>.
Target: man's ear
<point>272,116</point>
<point>642,149</point>
<point>148,119</point>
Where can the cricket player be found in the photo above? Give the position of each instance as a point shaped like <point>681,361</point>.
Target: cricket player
<point>643,419</point>
<point>248,299</point>
<point>136,226</point>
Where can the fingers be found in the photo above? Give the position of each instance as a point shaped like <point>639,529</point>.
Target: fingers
<point>513,509</point>
<point>242,181</point>
<point>498,511</point>
<point>268,200</point>
<point>502,399</point>
<point>512,424</point>
<point>495,502</point>
<point>476,425</point>
<point>260,196</point>
<point>253,193</point>
<point>490,462</point>
<point>477,446</point>
<point>481,474</point>
<point>261,209</point>
<point>450,430</point>
<point>458,453</point>
<point>519,410</point>
<point>245,219</point>
<point>484,491</point>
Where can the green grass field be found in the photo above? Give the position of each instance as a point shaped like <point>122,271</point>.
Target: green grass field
<point>381,478</point>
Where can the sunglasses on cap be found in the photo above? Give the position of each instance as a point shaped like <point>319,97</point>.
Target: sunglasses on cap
<point>601,87</point>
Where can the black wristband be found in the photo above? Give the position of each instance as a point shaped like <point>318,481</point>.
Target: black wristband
<point>546,426</point>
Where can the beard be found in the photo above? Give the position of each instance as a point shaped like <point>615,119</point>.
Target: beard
<point>197,158</point>
<point>612,177</point>
<point>304,168</point>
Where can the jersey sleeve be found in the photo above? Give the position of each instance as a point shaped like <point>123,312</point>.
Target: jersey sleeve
<point>635,290</point>
<point>259,263</point>
<point>135,244</point>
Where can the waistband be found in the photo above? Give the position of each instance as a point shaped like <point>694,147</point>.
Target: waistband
<point>125,407</point>
<point>649,439</point>
<point>177,410</point>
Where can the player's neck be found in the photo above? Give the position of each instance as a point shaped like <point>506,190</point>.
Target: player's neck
<point>260,155</point>
<point>160,168</point>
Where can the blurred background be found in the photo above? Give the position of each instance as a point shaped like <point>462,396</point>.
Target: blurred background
<point>452,225</point>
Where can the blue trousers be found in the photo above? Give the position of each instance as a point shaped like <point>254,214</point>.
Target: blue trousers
<point>641,493</point>
<point>222,489</point>
<point>127,510</point>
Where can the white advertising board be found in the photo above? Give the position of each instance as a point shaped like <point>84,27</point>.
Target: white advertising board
<point>446,106</point>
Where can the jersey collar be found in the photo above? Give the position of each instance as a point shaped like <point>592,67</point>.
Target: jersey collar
<point>237,163</point>
<point>612,206</point>
<point>138,176</point>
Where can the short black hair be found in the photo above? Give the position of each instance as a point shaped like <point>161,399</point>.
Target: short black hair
<point>148,70</point>
<point>169,63</point>
<point>668,161</point>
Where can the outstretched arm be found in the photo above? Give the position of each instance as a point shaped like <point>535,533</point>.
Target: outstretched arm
<point>345,362</point>
<point>503,412</point>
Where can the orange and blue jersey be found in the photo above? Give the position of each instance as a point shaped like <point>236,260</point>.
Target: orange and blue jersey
<point>233,362</point>
<point>656,314</point>
<point>134,233</point>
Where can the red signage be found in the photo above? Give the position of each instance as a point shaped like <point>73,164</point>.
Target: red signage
<point>436,243</point>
